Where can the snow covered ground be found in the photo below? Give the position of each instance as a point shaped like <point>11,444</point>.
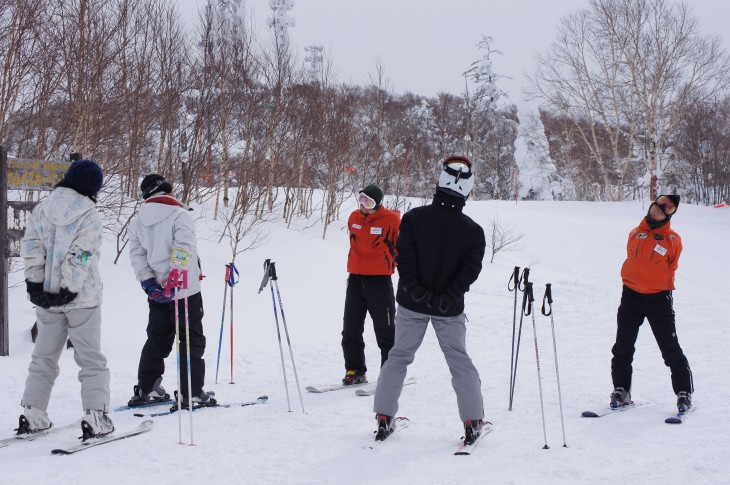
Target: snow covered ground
<point>576,246</point>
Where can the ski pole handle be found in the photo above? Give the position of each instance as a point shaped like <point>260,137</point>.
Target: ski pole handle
<point>549,299</point>
<point>267,274</point>
<point>231,274</point>
<point>527,300</point>
<point>272,271</point>
<point>524,279</point>
<point>514,280</point>
<point>178,278</point>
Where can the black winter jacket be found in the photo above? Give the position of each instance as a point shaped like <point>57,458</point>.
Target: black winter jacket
<point>440,249</point>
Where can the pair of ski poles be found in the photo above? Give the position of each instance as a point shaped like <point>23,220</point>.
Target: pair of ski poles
<point>521,283</point>
<point>231,279</point>
<point>270,275</point>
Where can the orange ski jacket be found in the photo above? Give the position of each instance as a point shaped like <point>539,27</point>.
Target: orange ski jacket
<point>372,242</point>
<point>652,258</point>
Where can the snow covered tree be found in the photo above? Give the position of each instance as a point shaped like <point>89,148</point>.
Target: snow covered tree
<point>490,130</point>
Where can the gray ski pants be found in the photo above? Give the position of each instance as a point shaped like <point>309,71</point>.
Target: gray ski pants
<point>83,327</point>
<point>410,327</point>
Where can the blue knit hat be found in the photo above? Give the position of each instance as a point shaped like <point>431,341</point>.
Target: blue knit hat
<point>85,177</point>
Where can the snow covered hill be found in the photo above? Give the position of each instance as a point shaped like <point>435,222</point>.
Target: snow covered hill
<point>576,246</point>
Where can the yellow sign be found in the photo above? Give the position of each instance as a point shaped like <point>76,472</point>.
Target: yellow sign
<point>27,174</point>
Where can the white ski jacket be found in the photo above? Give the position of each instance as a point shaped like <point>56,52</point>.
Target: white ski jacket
<point>61,247</point>
<point>161,225</point>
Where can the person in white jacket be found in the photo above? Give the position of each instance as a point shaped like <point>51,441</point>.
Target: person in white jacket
<point>61,252</point>
<point>163,224</point>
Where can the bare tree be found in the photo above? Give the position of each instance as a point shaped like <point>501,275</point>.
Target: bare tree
<point>20,25</point>
<point>628,68</point>
<point>501,237</point>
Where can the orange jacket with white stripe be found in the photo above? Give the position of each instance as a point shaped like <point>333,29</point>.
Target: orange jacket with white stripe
<point>652,258</point>
<point>372,242</point>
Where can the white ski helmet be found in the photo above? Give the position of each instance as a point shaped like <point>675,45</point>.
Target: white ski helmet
<point>456,176</point>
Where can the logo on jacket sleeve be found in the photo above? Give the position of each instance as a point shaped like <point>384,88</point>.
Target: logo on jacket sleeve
<point>376,230</point>
<point>641,235</point>
<point>356,226</point>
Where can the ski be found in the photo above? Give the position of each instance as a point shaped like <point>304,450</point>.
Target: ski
<point>150,404</point>
<point>468,449</point>
<point>610,410</point>
<point>334,387</point>
<point>32,436</point>
<point>142,428</point>
<point>369,389</point>
<point>679,417</point>
<point>259,400</point>
<point>399,423</point>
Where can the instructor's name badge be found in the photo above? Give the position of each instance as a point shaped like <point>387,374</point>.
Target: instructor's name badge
<point>661,250</point>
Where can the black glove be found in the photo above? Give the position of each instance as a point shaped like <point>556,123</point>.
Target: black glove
<point>420,294</point>
<point>35,291</point>
<point>443,302</point>
<point>62,298</point>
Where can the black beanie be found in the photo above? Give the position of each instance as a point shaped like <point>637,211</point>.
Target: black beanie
<point>154,183</point>
<point>85,177</point>
<point>375,193</point>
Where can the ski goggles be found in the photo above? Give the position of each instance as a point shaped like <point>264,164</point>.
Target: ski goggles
<point>365,201</point>
<point>666,205</point>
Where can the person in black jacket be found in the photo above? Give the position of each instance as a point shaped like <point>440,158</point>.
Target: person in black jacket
<point>440,252</point>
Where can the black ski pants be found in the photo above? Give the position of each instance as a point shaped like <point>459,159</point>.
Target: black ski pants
<point>367,294</point>
<point>161,339</point>
<point>657,308</point>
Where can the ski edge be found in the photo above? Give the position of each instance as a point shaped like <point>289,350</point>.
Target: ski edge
<point>680,418</point>
<point>31,437</point>
<point>371,392</point>
<point>143,427</point>
<point>259,400</point>
<point>608,410</point>
<point>333,387</point>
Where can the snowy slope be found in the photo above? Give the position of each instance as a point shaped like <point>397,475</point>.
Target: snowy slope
<point>576,246</point>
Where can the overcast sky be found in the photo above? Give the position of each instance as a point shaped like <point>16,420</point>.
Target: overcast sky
<point>426,45</point>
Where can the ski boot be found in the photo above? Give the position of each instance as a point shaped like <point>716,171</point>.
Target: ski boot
<point>202,400</point>
<point>156,394</point>
<point>620,397</point>
<point>95,424</point>
<point>33,420</point>
<point>385,427</point>
<point>354,377</point>
<point>472,430</point>
<point>684,401</point>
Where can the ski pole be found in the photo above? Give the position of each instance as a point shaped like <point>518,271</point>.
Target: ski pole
<point>522,285</point>
<point>264,282</point>
<point>223,318</point>
<point>548,298</point>
<point>187,352</point>
<point>528,293</point>
<point>172,282</point>
<point>512,286</point>
<point>275,279</point>
<point>231,282</point>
